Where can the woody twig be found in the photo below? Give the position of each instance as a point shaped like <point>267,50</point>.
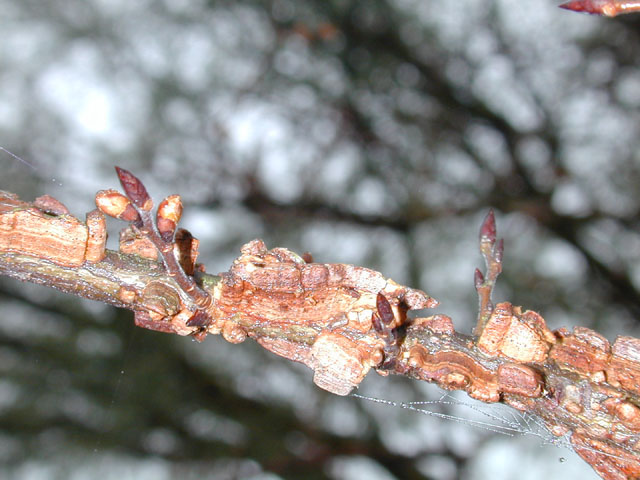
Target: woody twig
<point>340,320</point>
<point>492,251</point>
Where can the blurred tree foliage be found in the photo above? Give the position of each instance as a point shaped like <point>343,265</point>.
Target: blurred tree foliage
<point>368,132</point>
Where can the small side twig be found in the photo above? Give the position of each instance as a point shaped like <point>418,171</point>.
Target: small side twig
<point>492,252</point>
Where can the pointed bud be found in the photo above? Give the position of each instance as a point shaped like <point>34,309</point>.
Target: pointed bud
<point>478,278</point>
<point>488,229</point>
<point>579,6</point>
<point>134,189</point>
<point>609,8</point>
<point>384,309</point>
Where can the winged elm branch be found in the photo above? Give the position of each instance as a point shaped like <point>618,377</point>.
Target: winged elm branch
<point>340,320</point>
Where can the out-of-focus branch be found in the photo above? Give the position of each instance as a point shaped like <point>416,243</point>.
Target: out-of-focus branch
<point>340,320</point>
<point>608,8</point>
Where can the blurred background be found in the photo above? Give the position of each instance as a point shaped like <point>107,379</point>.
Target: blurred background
<point>373,132</point>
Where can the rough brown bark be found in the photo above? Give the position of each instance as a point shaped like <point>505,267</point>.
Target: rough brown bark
<point>340,320</point>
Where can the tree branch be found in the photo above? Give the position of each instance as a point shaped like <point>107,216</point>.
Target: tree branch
<point>340,320</point>
<point>608,8</point>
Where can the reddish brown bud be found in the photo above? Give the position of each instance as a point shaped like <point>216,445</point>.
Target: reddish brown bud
<point>384,309</point>
<point>134,189</point>
<point>609,8</point>
<point>478,278</point>
<point>488,229</point>
<point>586,6</point>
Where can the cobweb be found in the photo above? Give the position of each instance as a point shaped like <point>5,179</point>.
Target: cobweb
<point>494,418</point>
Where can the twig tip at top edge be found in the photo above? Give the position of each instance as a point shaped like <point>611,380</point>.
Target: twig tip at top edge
<point>608,8</point>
